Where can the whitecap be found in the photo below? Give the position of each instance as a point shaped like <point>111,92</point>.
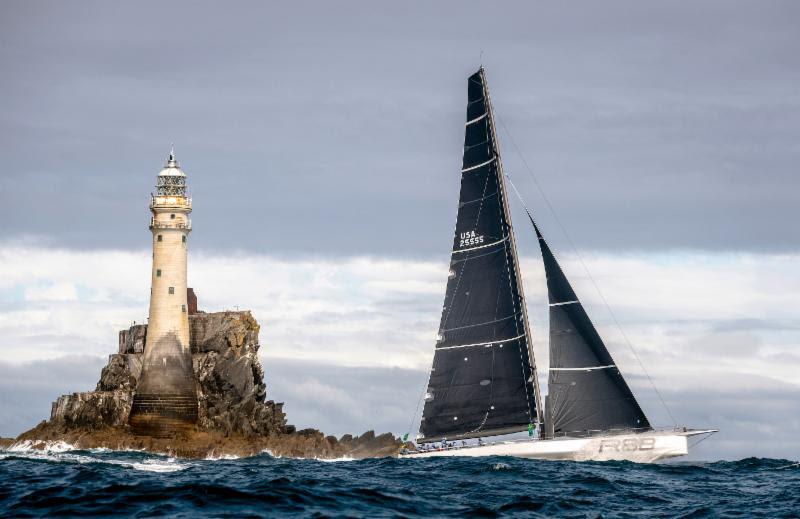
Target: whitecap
<point>42,446</point>
<point>154,465</point>
<point>217,457</point>
<point>334,460</point>
<point>327,460</point>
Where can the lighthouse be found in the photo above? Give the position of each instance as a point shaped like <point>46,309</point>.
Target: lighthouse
<point>165,402</point>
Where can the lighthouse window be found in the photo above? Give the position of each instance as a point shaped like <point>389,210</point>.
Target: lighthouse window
<point>160,238</point>
<point>172,216</point>
<point>183,308</point>
<point>158,273</point>
<point>183,239</point>
<point>171,290</point>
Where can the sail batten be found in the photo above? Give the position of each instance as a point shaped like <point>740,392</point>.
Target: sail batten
<point>480,383</point>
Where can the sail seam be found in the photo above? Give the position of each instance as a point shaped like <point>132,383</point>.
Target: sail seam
<point>481,343</point>
<point>482,324</point>
<point>479,165</point>
<point>481,246</point>
<point>589,368</point>
<point>481,199</point>
<point>565,303</point>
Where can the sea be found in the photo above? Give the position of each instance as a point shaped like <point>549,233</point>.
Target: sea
<point>67,482</point>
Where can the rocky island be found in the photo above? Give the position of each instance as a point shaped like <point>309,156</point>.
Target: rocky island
<point>188,383</point>
<point>234,416</point>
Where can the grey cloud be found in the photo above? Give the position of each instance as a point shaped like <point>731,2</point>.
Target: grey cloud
<point>322,129</point>
<point>27,390</point>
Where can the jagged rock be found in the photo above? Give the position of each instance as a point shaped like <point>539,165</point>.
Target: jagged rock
<point>133,339</point>
<point>232,392</point>
<point>234,416</point>
<point>231,389</point>
<point>93,408</point>
<point>121,373</point>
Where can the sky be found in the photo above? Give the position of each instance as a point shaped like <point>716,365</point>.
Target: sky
<point>322,144</point>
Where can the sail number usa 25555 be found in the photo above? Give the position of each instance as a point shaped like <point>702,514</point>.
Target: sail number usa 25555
<point>470,239</point>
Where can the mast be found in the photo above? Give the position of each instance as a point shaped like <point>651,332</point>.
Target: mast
<point>483,380</point>
<point>513,240</point>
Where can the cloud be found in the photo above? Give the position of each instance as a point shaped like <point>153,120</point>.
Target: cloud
<point>323,129</point>
<point>682,312</point>
<point>56,292</point>
<point>347,342</point>
<point>29,388</point>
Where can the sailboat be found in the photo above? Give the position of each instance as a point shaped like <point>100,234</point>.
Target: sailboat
<point>484,382</point>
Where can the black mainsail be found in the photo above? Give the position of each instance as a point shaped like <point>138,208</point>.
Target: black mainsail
<point>483,381</point>
<point>586,391</point>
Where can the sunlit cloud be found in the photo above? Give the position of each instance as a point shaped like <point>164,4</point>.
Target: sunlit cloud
<point>688,316</point>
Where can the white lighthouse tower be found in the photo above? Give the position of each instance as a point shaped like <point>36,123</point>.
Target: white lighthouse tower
<point>166,396</point>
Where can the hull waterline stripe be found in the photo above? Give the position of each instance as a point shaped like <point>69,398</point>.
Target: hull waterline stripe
<point>591,368</point>
<point>481,246</point>
<point>481,343</point>
<point>565,303</point>
<point>479,165</point>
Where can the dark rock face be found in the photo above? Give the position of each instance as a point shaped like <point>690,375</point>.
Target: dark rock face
<point>234,416</point>
<point>230,380</point>
<point>232,392</point>
<point>93,409</point>
<point>133,339</point>
<point>121,373</point>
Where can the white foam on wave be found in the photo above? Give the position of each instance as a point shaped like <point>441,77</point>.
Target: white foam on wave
<point>335,460</point>
<point>155,465</point>
<point>326,460</point>
<point>59,451</point>
<point>217,457</point>
<point>42,446</point>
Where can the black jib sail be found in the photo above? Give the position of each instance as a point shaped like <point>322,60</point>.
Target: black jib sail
<point>586,391</point>
<point>483,379</point>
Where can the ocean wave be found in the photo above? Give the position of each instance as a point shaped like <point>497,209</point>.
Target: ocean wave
<point>62,452</point>
<point>153,465</point>
<point>223,457</point>
<point>335,460</point>
<point>99,482</point>
<point>271,454</point>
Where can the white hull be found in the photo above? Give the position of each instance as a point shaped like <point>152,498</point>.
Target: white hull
<point>646,447</point>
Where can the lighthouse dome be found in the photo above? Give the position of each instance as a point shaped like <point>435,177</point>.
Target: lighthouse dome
<point>172,168</point>
<point>171,180</point>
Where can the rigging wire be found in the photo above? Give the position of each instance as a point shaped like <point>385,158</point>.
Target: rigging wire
<point>701,440</point>
<point>580,258</point>
<point>419,401</point>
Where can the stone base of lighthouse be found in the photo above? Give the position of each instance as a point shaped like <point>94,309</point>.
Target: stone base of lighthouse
<point>165,403</point>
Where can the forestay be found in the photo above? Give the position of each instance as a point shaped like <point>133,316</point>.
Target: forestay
<point>482,379</point>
